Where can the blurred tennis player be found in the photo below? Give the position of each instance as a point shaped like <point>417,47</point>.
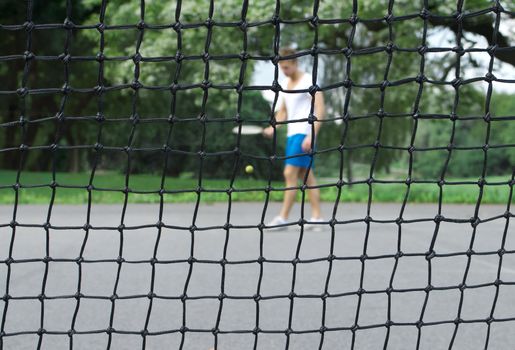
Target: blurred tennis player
<point>292,107</point>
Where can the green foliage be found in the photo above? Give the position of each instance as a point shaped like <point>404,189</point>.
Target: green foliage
<point>128,114</point>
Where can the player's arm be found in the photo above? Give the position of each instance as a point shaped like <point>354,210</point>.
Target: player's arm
<point>319,110</point>
<point>280,116</point>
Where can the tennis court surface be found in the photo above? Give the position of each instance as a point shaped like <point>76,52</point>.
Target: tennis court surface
<point>212,282</point>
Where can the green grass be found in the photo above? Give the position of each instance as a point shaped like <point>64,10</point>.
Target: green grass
<point>419,193</point>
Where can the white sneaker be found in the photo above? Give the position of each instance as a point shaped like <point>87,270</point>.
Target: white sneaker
<point>315,224</point>
<point>276,222</point>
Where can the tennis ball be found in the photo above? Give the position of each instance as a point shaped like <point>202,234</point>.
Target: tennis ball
<point>249,169</point>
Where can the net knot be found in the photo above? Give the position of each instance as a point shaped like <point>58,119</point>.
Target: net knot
<point>71,332</point>
<point>141,25</point>
<point>177,26</point>
<point>459,50</point>
<point>389,290</point>
<point>462,286</point>
<point>6,297</point>
<point>421,78</point>
<point>489,77</point>
<point>498,282</point>
<point>256,330</point>
<point>29,26</point>
<point>347,83</point>
<point>389,47</point>
<point>41,331</point>
<point>497,8</point>
<point>47,259</point>
<point>456,83</point>
<point>353,19</point>
<point>215,331</point>
<point>87,227</point>
<point>399,221</point>
<point>430,255</point>
<point>425,14</point>
<point>492,49</point>
<point>205,57</point>
<point>79,260</point>
<point>475,221</point>
<point>222,296</point>
<point>136,85</point>
<point>313,89</point>
<point>399,254</point>
<point>68,24</point>
<point>135,119</point>
<point>261,259</point>
<point>223,261</point>
<point>384,85</point>
<point>209,23</point>
<point>314,21</point>
<point>78,295</point>
<point>136,58</point>
<point>206,84</point>
<point>110,330</point>
<point>28,55</point>
<point>422,49</point>
<point>256,297</point>
<point>354,328</point>
<point>153,261</point>
<point>347,51</point>
<point>276,87</point>
<point>22,92</point>
<point>192,260</point>
<point>490,320</point>
<point>100,117</point>
<point>144,333</point>
<point>419,324</point>
<point>179,57</point>
<point>458,321</point>
<point>295,261</point>
<point>100,89</point>
<point>288,331</point>
<point>120,260</point>
<point>100,57</point>
<point>243,25</point>
<point>66,89</point>
<point>333,222</point>
<point>389,18</point>
<point>458,16</point>
<point>322,329</point>
<point>363,257</point>
<point>183,329</point>
<point>101,27</point>
<point>244,56</point>
<point>151,295</point>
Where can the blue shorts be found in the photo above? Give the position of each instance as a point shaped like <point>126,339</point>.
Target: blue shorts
<point>294,148</point>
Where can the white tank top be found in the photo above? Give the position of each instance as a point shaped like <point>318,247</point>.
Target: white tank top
<point>298,105</point>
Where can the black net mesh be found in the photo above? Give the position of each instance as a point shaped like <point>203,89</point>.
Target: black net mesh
<point>359,324</point>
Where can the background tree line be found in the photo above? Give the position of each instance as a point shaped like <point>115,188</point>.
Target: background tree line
<point>120,106</point>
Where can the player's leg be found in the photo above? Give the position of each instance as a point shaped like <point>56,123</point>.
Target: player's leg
<point>313,193</point>
<point>291,175</point>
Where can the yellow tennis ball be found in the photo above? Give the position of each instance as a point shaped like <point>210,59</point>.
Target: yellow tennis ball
<point>249,169</point>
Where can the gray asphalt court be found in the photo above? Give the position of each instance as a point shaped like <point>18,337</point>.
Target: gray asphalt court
<point>357,305</point>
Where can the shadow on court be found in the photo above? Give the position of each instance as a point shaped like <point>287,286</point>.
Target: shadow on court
<point>277,303</point>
